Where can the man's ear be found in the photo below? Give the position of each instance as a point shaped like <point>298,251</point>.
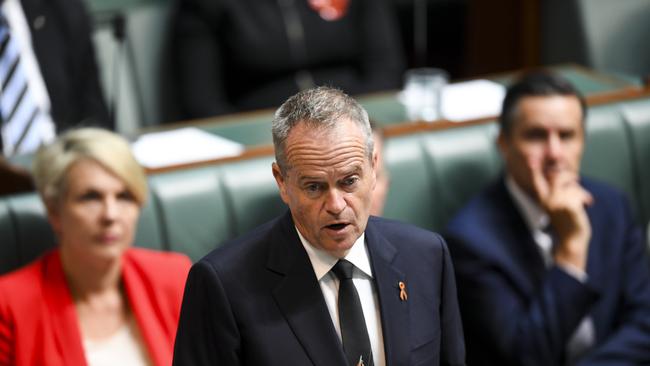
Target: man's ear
<point>375,167</point>
<point>280,181</point>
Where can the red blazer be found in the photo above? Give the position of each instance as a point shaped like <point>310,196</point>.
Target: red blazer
<point>38,324</point>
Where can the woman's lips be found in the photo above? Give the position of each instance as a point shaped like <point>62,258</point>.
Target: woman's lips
<point>108,238</point>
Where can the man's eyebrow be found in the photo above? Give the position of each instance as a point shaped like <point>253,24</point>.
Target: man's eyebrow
<point>304,178</point>
<point>356,169</point>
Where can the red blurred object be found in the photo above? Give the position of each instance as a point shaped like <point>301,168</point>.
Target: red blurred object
<point>330,9</point>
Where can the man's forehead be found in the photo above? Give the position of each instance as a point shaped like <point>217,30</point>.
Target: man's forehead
<point>562,109</point>
<point>308,172</point>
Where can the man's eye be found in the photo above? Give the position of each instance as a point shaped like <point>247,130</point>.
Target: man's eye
<point>535,135</point>
<point>347,182</point>
<point>567,135</point>
<point>313,187</point>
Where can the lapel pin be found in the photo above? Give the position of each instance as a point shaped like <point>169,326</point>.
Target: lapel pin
<point>402,291</point>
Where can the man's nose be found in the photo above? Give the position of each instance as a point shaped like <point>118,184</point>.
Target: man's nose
<point>335,202</point>
<point>554,146</point>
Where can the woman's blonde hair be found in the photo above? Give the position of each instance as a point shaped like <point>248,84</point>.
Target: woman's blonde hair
<point>52,162</point>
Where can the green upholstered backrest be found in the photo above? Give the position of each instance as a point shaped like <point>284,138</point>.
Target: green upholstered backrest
<point>252,195</point>
<point>463,161</point>
<point>637,115</point>
<point>149,232</point>
<point>608,154</point>
<point>192,210</point>
<point>33,233</point>
<point>411,193</point>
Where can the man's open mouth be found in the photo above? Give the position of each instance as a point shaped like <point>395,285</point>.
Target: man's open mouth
<point>337,226</point>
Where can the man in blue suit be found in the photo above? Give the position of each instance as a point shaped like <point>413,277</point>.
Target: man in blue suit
<point>271,297</point>
<point>551,267</point>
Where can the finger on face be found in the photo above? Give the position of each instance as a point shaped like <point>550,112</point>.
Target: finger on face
<point>566,187</point>
<point>539,181</point>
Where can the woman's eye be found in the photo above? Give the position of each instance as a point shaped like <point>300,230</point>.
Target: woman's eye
<point>126,196</point>
<point>90,196</point>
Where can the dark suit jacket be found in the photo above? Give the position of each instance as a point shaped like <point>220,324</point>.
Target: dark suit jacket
<point>257,301</point>
<point>61,39</point>
<point>518,312</point>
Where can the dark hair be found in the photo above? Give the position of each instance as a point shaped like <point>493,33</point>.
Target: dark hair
<point>538,83</point>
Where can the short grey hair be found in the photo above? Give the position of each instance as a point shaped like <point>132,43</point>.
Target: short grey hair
<point>321,107</point>
<point>53,161</point>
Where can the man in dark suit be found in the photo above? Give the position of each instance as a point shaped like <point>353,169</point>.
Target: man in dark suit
<point>61,40</point>
<point>269,297</point>
<point>58,60</point>
<point>551,267</point>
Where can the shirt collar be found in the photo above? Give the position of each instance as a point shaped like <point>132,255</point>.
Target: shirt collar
<point>322,261</point>
<point>534,215</point>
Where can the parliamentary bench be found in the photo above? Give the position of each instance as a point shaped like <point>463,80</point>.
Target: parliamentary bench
<point>433,171</point>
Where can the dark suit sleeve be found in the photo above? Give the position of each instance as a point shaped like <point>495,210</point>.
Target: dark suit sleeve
<point>453,344</point>
<point>207,331</point>
<point>502,323</point>
<point>630,344</point>
<point>198,60</point>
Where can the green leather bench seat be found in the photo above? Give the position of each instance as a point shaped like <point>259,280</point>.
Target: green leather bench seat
<point>200,208</point>
<point>432,175</point>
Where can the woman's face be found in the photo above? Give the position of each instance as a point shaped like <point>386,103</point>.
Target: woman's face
<point>96,215</point>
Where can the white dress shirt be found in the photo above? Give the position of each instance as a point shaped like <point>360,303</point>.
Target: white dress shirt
<point>122,348</point>
<point>322,262</point>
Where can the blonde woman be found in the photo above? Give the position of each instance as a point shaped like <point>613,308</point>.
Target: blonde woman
<point>94,300</point>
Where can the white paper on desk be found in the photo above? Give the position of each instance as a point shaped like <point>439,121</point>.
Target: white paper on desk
<point>185,145</point>
<point>472,99</point>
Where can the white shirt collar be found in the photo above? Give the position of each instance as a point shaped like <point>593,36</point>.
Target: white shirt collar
<point>322,261</point>
<point>536,218</point>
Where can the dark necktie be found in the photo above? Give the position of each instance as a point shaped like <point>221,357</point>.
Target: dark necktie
<point>354,333</point>
<point>18,110</point>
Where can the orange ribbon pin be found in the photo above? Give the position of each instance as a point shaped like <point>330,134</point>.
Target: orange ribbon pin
<point>402,291</point>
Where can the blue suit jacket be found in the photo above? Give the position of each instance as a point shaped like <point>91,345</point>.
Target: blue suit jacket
<point>256,301</point>
<point>518,312</point>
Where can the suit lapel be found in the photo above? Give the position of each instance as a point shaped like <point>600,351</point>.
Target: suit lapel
<point>521,253</point>
<point>394,312</point>
<point>300,299</point>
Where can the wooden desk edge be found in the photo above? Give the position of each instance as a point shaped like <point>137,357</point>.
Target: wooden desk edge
<point>629,93</point>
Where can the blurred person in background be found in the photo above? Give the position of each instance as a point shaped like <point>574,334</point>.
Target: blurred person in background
<point>48,79</point>
<point>551,266</point>
<point>94,300</point>
<point>234,55</point>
